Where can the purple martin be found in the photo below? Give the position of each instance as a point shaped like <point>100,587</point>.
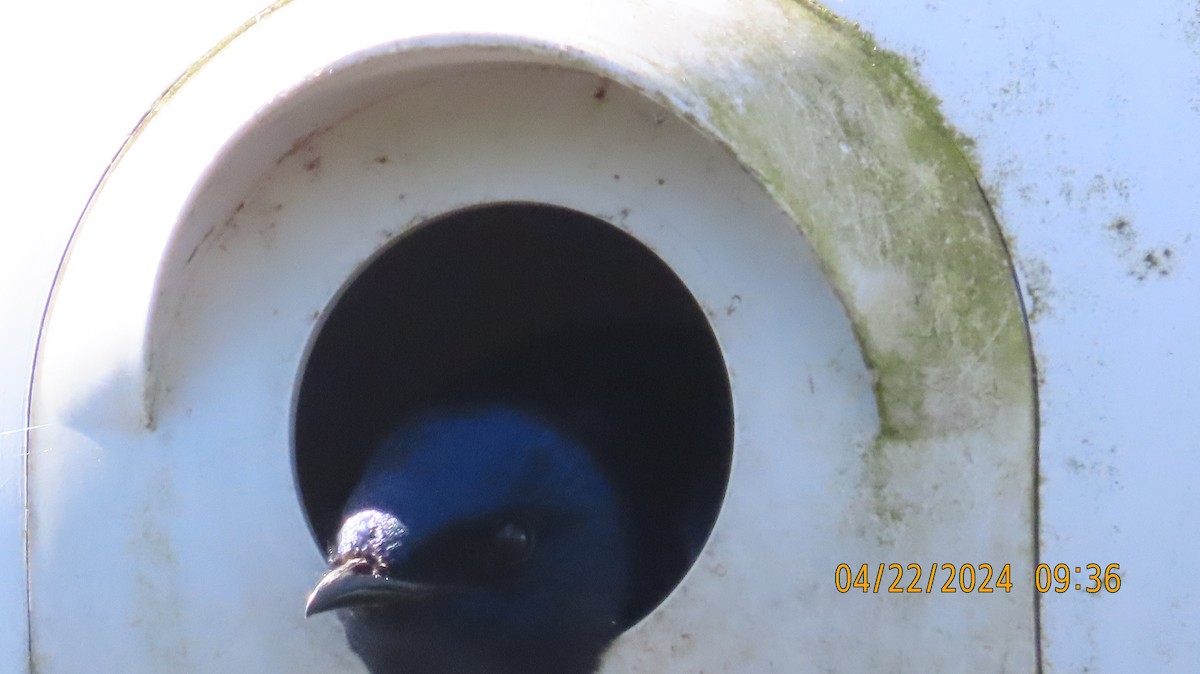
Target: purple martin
<point>480,539</point>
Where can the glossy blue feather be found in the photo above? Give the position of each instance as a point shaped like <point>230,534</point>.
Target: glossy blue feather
<point>439,503</point>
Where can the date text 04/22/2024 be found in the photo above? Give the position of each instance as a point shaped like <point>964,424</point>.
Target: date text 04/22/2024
<point>979,578</point>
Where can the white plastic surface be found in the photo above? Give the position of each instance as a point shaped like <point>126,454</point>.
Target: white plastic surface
<point>1087,115</point>
<point>79,80</point>
<point>1056,95</point>
<point>165,380</point>
<point>206,499</point>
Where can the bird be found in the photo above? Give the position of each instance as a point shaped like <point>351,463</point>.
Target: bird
<point>480,539</point>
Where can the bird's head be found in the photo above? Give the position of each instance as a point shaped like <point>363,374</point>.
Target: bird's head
<point>479,536</point>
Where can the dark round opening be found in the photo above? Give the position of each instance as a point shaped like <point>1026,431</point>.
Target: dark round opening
<point>549,309</point>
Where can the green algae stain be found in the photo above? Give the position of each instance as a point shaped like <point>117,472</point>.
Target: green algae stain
<point>894,74</point>
<point>886,191</point>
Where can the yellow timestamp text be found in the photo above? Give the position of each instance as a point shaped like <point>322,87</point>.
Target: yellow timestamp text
<point>971,578</point>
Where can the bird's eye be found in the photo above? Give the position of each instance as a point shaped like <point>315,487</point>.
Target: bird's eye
<point>513,543</point>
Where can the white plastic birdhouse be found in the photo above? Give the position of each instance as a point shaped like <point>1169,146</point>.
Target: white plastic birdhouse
<point>350,205</point>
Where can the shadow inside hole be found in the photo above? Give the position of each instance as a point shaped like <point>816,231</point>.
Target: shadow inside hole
<point>551,310</point>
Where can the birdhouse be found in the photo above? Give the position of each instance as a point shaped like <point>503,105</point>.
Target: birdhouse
<point>730,249</point>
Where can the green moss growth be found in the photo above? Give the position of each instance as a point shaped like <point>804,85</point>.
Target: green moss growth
<point>893,192</point>
<point>895,75</point>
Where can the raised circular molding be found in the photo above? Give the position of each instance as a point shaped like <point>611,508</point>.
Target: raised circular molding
<point>811,199</point>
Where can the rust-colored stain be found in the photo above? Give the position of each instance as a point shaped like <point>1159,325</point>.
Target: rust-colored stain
<point>192,255</point>
<point>303,144</point>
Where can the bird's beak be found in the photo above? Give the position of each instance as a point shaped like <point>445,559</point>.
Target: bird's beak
<point>345,586</point>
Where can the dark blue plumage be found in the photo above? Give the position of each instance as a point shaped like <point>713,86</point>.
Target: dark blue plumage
<point>480,539</point>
